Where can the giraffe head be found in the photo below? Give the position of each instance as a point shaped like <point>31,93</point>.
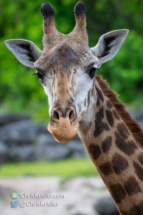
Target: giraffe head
<point>66,68</point>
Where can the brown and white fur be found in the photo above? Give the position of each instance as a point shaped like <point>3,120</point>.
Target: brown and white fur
<point>80,101</point>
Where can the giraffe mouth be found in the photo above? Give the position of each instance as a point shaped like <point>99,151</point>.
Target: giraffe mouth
<point>63,131</point>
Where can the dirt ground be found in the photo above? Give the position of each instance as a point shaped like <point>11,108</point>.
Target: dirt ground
<point>51,195</point>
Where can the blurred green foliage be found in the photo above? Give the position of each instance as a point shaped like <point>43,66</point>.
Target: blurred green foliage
<point>70,168</point>
<point>19,90</point>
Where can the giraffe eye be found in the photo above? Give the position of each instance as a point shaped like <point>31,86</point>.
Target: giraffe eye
<point>40,76</point>
<point>92,72</point>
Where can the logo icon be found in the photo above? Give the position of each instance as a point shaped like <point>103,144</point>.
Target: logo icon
<point>14,204</point>
<point>14,195</point>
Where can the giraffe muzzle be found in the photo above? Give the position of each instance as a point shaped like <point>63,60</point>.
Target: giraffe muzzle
<point>63,125</point>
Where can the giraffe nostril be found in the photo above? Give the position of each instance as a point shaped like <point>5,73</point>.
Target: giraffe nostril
<point>71,114</point>
<point>56,115</point>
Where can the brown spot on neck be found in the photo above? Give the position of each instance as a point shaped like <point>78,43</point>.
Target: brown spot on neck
<point>118,192</point>
<point>94,151</point>
<point>106,168</point>
<point>109,105</point>
<point>106,144</point>
<point>109,117</point>
<point>99,94</point>
<point>126,147</point>
<point>135,210</point>
<point>138,171</point>
<point>99,125</point>
<point>119,163</point>
<point>116,114</point>
<point>140,157</point>
<point>122,129</point>
<point>132,186</point>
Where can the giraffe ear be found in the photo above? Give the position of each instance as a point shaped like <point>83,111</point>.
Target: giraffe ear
<point>25,51</point>
<point>109,44</point>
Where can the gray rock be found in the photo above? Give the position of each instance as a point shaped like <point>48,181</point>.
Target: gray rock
<point>56,152</point>
<point>75,145</point>
<point>77,149</point>
<point>39,153</point>
<point>137,114</point>
<point>23,153</point>
<point>24,140</point>
<point>106,206</point>
<point>141,122</point>
<point>41,128</point>
<point>77,155</point>
<point>3,148</point>
<point>21,133</point>
<point>6,118</point>
<point>46,140</point>
<point>3,152</point>
<point>48,148</point>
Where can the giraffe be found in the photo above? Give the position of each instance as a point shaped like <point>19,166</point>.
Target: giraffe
<point>80,101</point>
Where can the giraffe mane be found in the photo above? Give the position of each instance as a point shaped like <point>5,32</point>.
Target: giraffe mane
<point>134,127</point>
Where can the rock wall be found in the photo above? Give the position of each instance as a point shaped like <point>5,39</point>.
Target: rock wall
<point>23,140</point>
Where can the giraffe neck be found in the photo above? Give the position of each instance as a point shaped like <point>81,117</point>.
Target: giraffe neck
<point>116,153</point>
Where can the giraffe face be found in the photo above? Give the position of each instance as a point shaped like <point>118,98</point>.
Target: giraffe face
<point>66,68</point>
<point>68,80</point>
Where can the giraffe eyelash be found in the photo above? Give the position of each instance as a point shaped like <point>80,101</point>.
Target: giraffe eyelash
<point>39,75</point>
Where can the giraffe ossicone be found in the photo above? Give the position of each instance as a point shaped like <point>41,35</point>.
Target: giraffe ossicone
<point>81,102</point>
